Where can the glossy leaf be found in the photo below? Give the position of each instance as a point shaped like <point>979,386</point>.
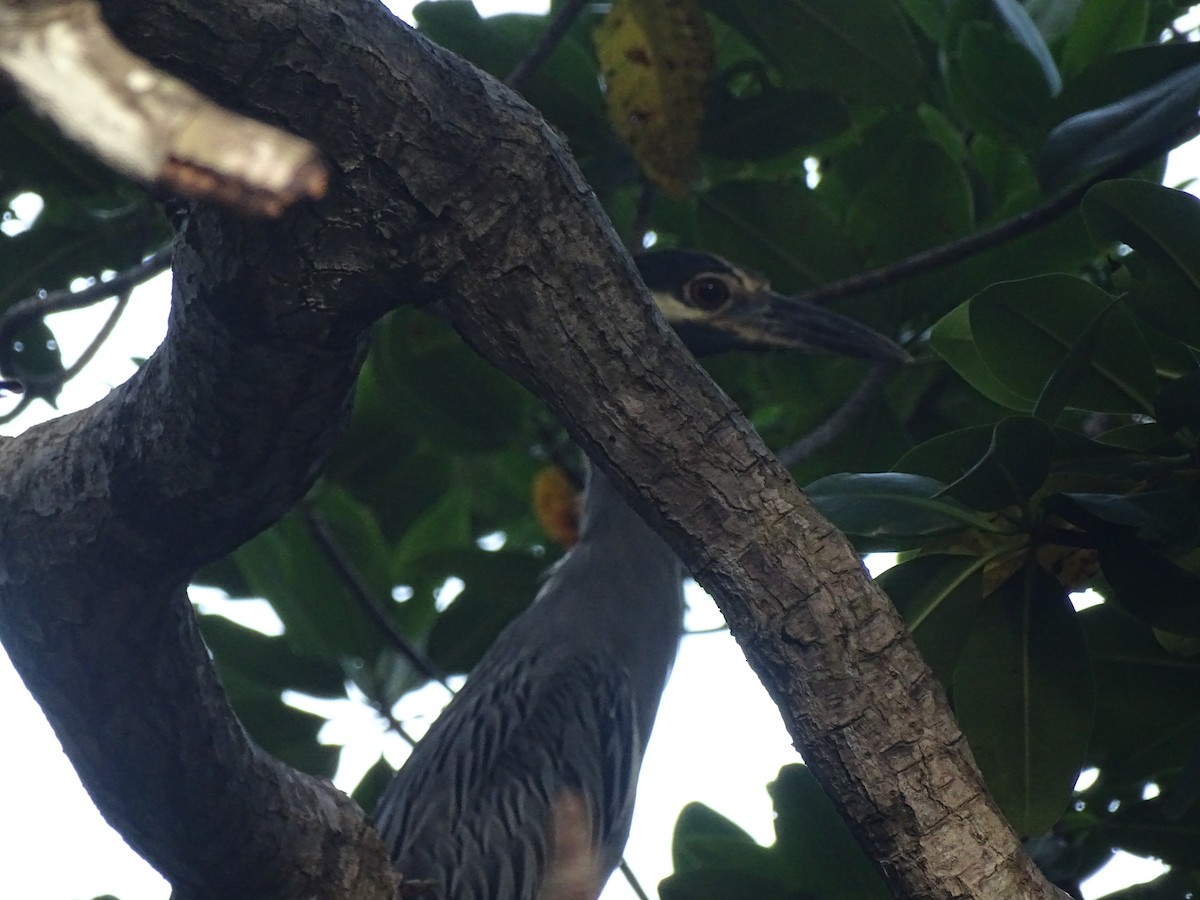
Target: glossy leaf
<point>948,456</point>
<point>1025,331</point>
<point>1021,27</point>
<point>1024,695</point>
<point>1166,515</point>
<point>1012,469</point>
<point>1099,138</point>
<point>953,339</point>
<point>889,505</point>
<point>1161,225</point>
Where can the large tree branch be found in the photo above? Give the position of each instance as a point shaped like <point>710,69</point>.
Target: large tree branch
<point>450,191</point>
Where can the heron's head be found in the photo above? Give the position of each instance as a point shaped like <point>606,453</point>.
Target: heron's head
<point>715,305</point>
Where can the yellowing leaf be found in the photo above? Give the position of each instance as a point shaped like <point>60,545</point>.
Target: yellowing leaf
<point>656,57</point>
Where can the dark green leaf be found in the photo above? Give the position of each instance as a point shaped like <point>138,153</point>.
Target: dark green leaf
<point>919,199</point>
<point>721,884</point>
<point>860,49</point>
<point>939,597</point>
<point>368,791</point>
<point>321,612</point>
<point>1021,27</point>
<point>889,504</point>
<point>997,85</point>
<point>1167,514</point>
<point>1025,331</point>
<point>271,662</point>
<point>34,359</point>
<point>1012,469</point>
<point>1142,436</point>
<point>425,373</point>
<point>748,117</point>
<point>1149,700</point>
<point>1162,226</point>
<point>1103,27</point>
<point>699,822</point>
<point>740,219</point>
<point>564,88</point>
<point>930,16</point>
<point>498,587</point>
<point>1064,383</point>
<point>1024,695</point>
<point>1177,405</point>
<point>1152,587</point>
<point>444,526</point>
<point>813,840</point>
<point>948,456</point>
<point>952,339</point>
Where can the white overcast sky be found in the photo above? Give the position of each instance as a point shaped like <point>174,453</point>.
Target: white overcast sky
<point>718,738</point>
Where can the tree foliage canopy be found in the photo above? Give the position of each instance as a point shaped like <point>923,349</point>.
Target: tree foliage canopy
<point>1043,440</point>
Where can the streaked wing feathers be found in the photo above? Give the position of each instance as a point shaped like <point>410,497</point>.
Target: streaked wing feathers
<point>480,823</point>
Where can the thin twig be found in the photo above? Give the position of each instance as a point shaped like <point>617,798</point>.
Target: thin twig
<point>327,541</point>
<point>1022,223</point>
<point>98,341</point>
<point>556,29</point>
<point>39,306</point>
<point>851,408</point>
<point>382,709</point>
<point>21,406</point>
<point>633,880</point>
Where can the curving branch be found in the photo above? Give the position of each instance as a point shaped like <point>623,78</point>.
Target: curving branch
<point>853,406</point>
<point>25,311</point>
<point>560,23</point>
<point>472,205</point>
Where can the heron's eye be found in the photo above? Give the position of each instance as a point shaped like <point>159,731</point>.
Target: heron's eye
<point>708,293</point>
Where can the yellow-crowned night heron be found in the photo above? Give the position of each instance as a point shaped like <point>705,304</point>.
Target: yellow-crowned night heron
<point>523,788</point>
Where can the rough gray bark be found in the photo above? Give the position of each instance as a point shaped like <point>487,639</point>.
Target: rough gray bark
<point>449,191</point>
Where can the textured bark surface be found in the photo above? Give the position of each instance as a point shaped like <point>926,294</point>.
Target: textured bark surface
<point>448,190</point>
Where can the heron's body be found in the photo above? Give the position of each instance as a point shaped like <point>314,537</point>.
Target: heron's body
<point>561,704</point>
<point>523,789</point>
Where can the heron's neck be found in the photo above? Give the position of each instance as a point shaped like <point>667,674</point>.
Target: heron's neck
<point>606,511</point>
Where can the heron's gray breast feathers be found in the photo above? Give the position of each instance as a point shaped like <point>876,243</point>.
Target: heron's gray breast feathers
<point>481,825</point>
